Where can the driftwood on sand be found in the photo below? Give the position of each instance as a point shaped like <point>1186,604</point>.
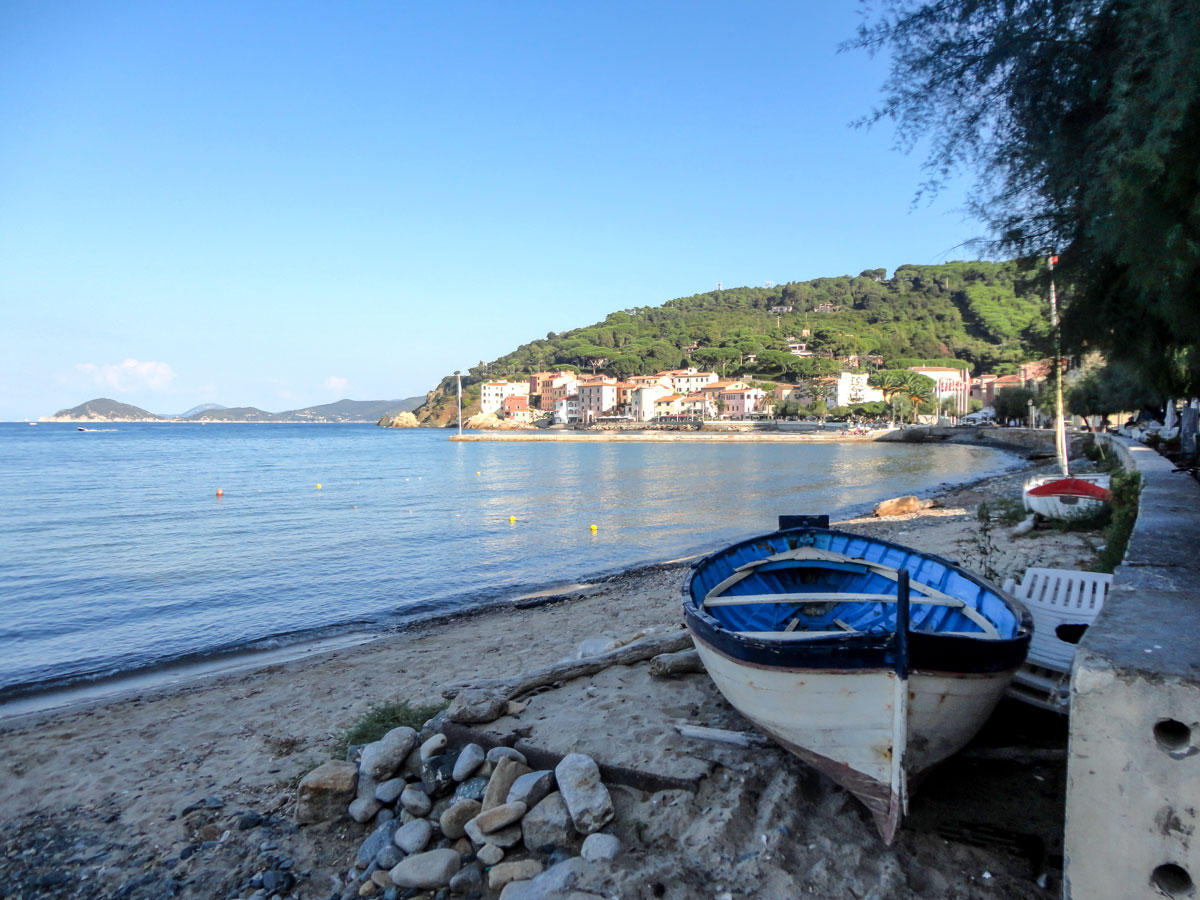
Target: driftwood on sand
<point>680,663</point>
<point>486,701</point>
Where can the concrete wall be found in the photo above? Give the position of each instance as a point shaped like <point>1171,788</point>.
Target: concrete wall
<point>1133,776</point>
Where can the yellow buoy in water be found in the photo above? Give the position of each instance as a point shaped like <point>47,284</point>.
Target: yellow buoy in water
<point>318,487</point>
<point>476,473</point>
<point>592,528</point>
<point>512,520</point>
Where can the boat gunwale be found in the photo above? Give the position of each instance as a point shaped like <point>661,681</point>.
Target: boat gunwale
<point>855,651</point>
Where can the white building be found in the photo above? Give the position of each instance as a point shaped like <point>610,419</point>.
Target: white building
<point>852,388</point>
<point>493,393</point>
<point>688,381</point>
<point>567,411</point>
<point>642,399</point>
<point>598,397</point>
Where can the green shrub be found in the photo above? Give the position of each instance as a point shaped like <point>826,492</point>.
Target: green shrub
<point>1126,486</point>
<point>379,720</point>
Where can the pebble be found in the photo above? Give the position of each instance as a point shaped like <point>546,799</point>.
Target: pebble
<point>532,788</point>
<point>363,809</point>
<point>470,759</point>
<point>586,797</point>
<point>600,847</point>
<point>250,819</point>
<point>413,837</point>
<point>275,882</point>
<point>454,820</point>
<point>435,746</point>
<point>378,839</point>
<point>412,764</point>
<point>381,878</point>
<point>472,789</point>
<point>433,869</point>
<point>381,759</point>
<point>415,800</point>
<point>548,824</point>
<point>518,870</point>
<point>499,816</point>
<point>507,771</point>
<point>505,837</point>
<point>388,856</point>
<point>387,792</point>
<point>437,774</point>
<point>490,854</point>
<point>467,880</point>
<point>368,889</point>
<point>498,753</point>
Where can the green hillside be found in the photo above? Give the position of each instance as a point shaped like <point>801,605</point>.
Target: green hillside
<point>102,409</point>
<point>982,313</point>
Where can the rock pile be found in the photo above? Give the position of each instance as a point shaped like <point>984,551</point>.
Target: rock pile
<point>400,420</point>
<point>462,821</point>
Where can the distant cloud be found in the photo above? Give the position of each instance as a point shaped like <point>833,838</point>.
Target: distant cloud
<point>335,384</point>
<point>130,375</point>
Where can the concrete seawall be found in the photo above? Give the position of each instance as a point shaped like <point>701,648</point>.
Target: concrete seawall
<point>1133,778</point>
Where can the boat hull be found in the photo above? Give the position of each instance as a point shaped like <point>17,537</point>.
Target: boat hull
<point>843,722</point>
<point>1058,497</point>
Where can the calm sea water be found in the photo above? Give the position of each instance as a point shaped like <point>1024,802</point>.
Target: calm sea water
<point>116,554</point>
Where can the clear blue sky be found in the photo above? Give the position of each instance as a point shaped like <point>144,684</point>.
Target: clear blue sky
<point>282,204</point>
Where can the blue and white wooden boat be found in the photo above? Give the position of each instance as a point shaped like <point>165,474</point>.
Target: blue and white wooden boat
<point>868,660</point>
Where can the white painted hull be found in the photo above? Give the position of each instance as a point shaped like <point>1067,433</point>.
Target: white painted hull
<point>845,722</point>
<point>1063,508</point>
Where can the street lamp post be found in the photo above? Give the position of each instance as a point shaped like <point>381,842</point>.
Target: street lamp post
<point>458,375</point>
<point>1029,407</point>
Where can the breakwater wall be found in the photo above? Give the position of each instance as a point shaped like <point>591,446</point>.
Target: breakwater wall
<point>1133,776</point>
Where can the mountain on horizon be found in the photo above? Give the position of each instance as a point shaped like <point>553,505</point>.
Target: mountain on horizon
<point>103,409</point>
<point>203,407</point>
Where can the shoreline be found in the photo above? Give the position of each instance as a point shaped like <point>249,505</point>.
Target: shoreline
<point>71,692</point>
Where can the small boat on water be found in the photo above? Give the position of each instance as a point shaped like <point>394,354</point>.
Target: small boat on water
<point>868,660</point>
<point>1066,497</point>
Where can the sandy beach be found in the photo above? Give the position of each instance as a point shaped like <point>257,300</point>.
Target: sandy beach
<point>146,795</point>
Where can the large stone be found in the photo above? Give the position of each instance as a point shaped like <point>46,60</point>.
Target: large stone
<point>378,839</point>
<point>507,771</point>
<point>454,820</point>
<point>518,870</point>
<point>471,706</point>
<point>471,789</point>
<point>531,789</point>
<point>500,816</point>
<point>381,759</point>
<point>325,792</point>
<point>498,753</point>
<point>413,837</point>
<point>548,824</point>
<point>560,880</point>
<point>430,870</point>
<point>415,800</point>
<point>490,854</point>
<point>470,759</point>
<point>437,774</point>
<point>387,792</point>
<point>901,506</point>
<point>586,797</point>
<point>467,880</point>
<point>600,847</point>
<point>363,809</point>
<point>435,746</point>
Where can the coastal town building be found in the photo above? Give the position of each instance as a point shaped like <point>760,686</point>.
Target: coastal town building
<point>541,382</point>
<point>699,404</point>
<point>659,378</point>
<point>741,403</point>
<point>515,408</point>
<point>492,393</point>
<point>567,410</point>
<point>948,382</point>
<point>669,405</point>
<point>559,388</point>
<point>687,381</point>
<point>642,400</point>
<point>598,397</point>
<point>853,387</point>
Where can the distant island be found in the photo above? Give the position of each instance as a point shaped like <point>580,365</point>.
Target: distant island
<point>102,409</point>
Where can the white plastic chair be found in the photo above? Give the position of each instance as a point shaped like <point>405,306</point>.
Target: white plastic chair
<point>1063,603</point>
